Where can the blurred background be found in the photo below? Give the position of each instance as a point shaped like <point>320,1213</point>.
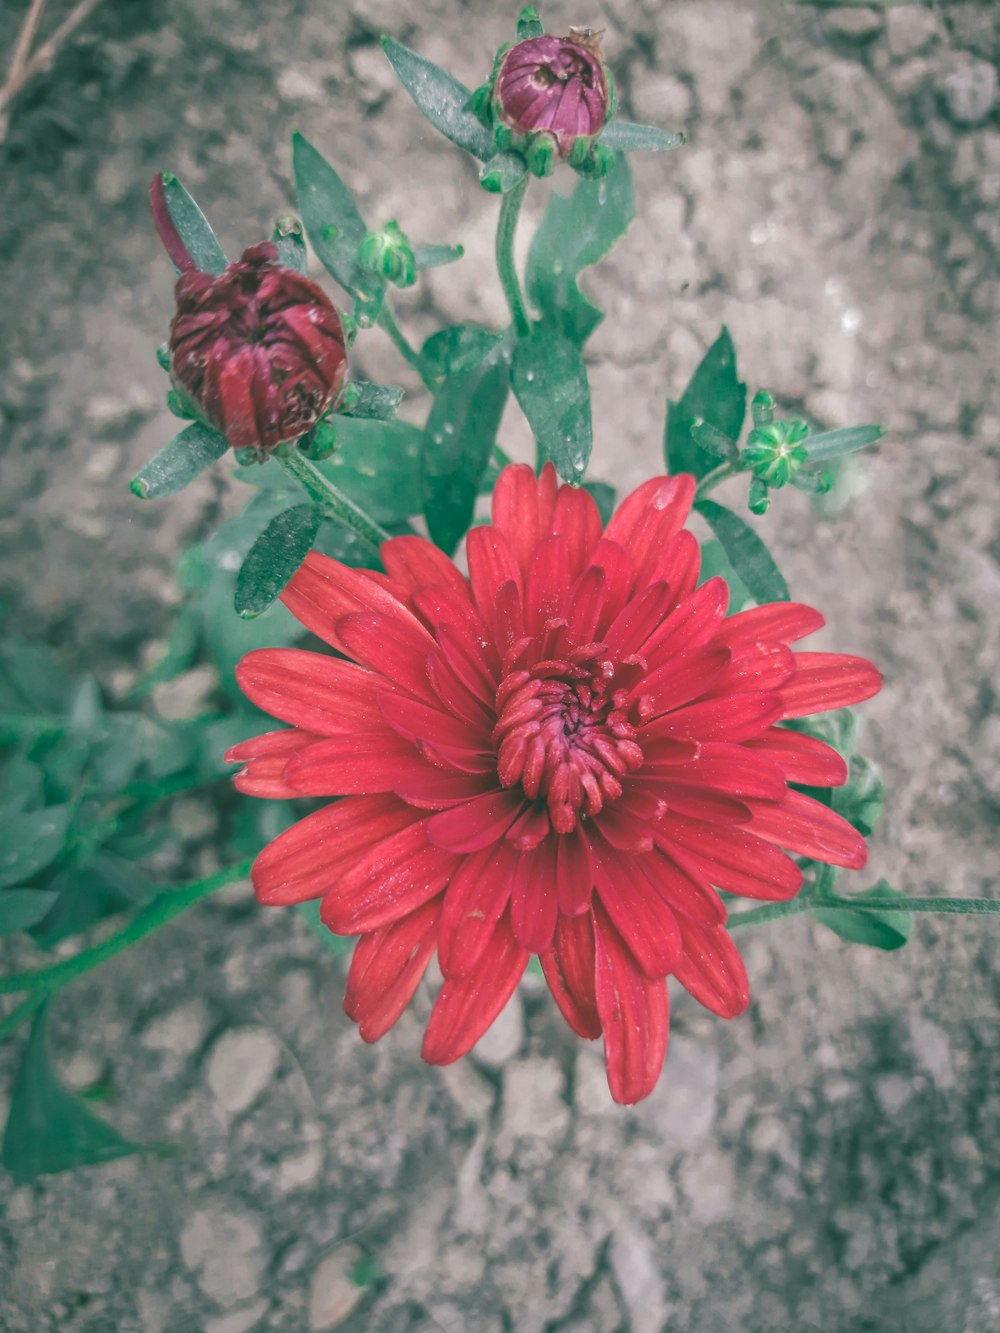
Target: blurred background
<point>822,1163</point>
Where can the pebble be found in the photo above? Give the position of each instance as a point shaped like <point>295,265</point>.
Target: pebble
<point>533,1101</point>
<point>187,695</point>
<point>241,1064</point>
<point>180,1031</point>
<point>332,1293</point>
<point>238,1321</point>
<point>970,91</point>
<point>225,1250</point>
<point>636,1270</point>
<point>850,21</point>
<point>909,29</point>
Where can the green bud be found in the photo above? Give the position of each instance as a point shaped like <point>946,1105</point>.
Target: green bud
<point>321,441</point>
<point>598,161</point>
<point>775,453</point>
<point>503,139</point>
<point>177,404</point>
<point>481,104</point>
<point>247,457</point>
<point>758,499</point>
<point>350,326</point>
<point>529,24</point>
<point>762,408</point>
<point>388,253</point>
<point>540,154</point>
<point>163,356</point>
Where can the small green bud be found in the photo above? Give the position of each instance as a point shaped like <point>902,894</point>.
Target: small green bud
<point>163,356</point>
<point>388,253</point>
<point>350,327</point>
<point>321,441</point>
<point>481,104</point>
<point>762,408</point>
<point>179,405</point>
<point>540,154</point>
<point>597,163</point>
<point>503,140</point>
<point>758,500</point>
<point>775,453</point>
<point>529,24</point>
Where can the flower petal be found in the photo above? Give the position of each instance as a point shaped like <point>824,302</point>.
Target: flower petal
<point>317,693</point>
<point>577,519</point>
<point>533,904</point>
<point>683,890</point>
<point>475,900</point>
<point>733,717</point>
<point>387,967</point>
<point>785,622</point>
<point>574,873</point>
<point>569,968</point>
<point>358,765</point>
<point>712,970</point>
<point>802,758</point>
<point>492,563</point>
<point>476,824</point>
<point>393,647</point>
<point>465,1009</point>
<point>389,879</point>
<point>733,859</point>
<point>695,622</point>
<point>264,759</point>
<point>324,590</point>
<point>824,681</point>
<point>523,506</point>
<point>809,828</point>
<point>634,1015</point>
<point>415,563</point>
<point>307,859</point>
<point>640,914</point>
<point>649,518</point>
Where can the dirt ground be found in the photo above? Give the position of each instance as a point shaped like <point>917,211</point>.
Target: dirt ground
<point>823,1163</point>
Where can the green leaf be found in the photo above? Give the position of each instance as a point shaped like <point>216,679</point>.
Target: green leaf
<point>377,464</point>
<point>713,441</point>
<point>49,1129</point>
<point>576,231</point>
<point>458,347</point>
<point>32,679</point>
<point>30,842</point>
<point>746,552</point>
<point>291,247</point>
<point>716,564</point>
<point>337,944</point>
<point>457,441</point>
<point>882,930</point>
<point>434,256</point>
<point>333,224</point>
<point>833,443</point>
<point>179,462</point>
<point>715,395</point>
<point>441,98</point>
<point>604,497</point>
<point>862,797</point>
<point>21,908</point>
<point>192,226</point>
<point>274,558</point>
<point>502,172</point>
<point>624,136</point>
<point>550,382</point>
<point>23,786</point>
<point>372,401</point>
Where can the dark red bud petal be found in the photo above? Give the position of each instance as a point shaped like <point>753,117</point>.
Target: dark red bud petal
<point>556,84</point>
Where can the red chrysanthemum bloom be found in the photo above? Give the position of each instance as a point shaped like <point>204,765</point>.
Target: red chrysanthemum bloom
<point>565,754</point>
<point>556,84</point>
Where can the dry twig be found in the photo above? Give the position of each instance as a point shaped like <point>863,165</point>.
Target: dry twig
<point>25,66</point>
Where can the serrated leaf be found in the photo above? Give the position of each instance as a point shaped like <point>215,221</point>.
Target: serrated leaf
<point>456,445</point>
<point>458,347</point>
<point>746,553</point>
<point>49,1129</point>
<point>193,228</point>
<point>549,380</point>
<point>576,231</point>
<point>375,402</point>
<point>503,171</point>
<point>441,98</point>
<point>624,136</point>
<point>434,256</point>
<point>21,908</point>
<point>275,557</point>
<point>881,930</point>
<point>332,221</point>
<point>29,842</point>
<point>715,395</point>
<point>862,797</point>
<point>834,443</point>
<point>179,462</point>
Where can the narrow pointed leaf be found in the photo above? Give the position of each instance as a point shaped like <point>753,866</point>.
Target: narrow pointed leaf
<point>179,462</point>
<point>833,443</point>
<point>333,224</point>
<point>715,395</point>
<point>624,136</point>
<point>746,553</point>
<point>441,98</point>
<point>274,557</point>
<point>457,441</point>
<point>549,380</point>
<point>503,171</point>
<point>881,930</point>
<point>713,441</point>
<point>192,226</point>
<point>434,256</point>
<point>576,231</point>
<point>49,1129</point>
<point>373,401</point>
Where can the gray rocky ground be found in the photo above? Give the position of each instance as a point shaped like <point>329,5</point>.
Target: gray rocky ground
<point>826,1162</point>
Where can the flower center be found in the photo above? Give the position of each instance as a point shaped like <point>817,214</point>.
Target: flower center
<point>563,733</point>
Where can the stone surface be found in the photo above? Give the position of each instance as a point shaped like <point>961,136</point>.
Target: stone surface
<point>825,1162</point>
<point>241,1064</point>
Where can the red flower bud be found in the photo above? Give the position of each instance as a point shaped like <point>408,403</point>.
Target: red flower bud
<point>556,84</point>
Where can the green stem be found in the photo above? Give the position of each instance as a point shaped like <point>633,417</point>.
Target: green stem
<point>24,1010</point>
<point>404,347</point>
<point>721,473</point>
<point>164,907</point>
<point>510,210</point>
<point>758,916</point>
<point>333,500</point>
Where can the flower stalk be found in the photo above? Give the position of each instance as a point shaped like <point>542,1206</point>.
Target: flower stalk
<point>334,501</point>
<point>510,209</point>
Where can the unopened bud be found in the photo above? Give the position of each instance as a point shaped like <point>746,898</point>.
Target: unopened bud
<point>388,253</point>
<point>775,453</point>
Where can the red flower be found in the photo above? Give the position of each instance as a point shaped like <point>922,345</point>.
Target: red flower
<point>259,349</point>
<point>556,84</point>
<point>564,754</point>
